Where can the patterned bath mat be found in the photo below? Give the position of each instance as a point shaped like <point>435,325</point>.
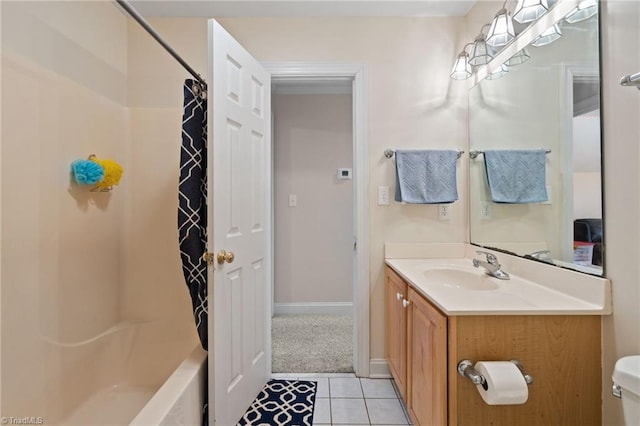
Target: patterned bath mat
<point>282,403</point>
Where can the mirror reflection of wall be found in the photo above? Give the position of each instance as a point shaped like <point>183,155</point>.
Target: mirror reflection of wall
<point>551,101</point>
<point>587,179</point>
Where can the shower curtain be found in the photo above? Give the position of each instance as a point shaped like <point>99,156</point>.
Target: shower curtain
<point>192,206</point>
<point>192,209</point>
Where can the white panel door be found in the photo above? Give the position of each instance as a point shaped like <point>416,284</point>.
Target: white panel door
<point>239,182</point>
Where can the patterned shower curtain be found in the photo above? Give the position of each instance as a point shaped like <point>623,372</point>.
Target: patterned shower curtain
<point>192,206</point>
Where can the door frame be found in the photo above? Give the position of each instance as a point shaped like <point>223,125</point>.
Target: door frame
<point>361,288</point>
<point>570,72</point>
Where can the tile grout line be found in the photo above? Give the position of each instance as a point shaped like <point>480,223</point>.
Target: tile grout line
<point>366,407</point>
<point>330,404</point>
<point>405,411</point>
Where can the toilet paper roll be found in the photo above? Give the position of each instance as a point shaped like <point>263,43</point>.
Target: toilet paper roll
<point>504,383</point>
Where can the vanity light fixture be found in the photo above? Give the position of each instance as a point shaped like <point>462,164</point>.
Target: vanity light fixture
<point>462,68</point>
<point>501,31</point>
<point>520,57</point>
<point>499,72</point>
<point>548,37</point>
<point>480,52</point>
<point>530,10</point>
<point>585,10</point>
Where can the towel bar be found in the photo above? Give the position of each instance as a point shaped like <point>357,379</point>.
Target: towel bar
<point>473,154</point>
<point>390,152</point>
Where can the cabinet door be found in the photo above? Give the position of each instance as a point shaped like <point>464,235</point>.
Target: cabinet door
<point>427,361</point>
<point>396,329</point>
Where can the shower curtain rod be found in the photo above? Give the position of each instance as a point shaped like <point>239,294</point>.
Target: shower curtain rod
<point>144,24</point>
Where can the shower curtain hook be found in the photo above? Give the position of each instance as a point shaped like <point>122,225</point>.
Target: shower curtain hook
<point>203,92</point>
<point>195,88</point>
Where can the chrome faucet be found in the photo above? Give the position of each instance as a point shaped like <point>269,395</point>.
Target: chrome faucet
<point>542,255</point>
<point>491,266</point>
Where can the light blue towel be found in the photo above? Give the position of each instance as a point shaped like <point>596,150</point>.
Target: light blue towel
<point>516,176</point>
<point>426,176</point>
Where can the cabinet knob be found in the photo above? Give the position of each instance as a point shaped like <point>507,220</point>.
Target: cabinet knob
<point>398,296</point>
<point>405,303</point>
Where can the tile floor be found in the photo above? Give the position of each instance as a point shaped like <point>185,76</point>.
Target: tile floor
<point>344,399</point>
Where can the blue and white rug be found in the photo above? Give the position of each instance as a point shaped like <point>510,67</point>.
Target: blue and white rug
<point>282,403</point>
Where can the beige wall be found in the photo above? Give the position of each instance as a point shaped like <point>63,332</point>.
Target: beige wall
<point>64,82</point>
<point>314,240</point>
<point>412,103</point>
<point>621,109</point>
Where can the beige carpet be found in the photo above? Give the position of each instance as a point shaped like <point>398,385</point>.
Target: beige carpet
<point>312,344</point>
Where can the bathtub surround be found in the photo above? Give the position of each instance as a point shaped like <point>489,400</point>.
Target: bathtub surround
<point>312,344</point>
<point>192,203</point>
<point>65,66</point>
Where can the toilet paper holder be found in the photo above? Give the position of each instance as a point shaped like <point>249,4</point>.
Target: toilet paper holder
<point>465,369</point>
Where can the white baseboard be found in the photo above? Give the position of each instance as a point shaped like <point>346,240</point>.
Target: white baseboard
<point>314,308</point>
<point>378,369</point>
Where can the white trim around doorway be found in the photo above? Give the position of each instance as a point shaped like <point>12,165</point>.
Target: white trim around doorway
<point>358,72</point>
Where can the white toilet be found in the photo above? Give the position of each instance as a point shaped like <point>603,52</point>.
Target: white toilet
<point>626,385</point>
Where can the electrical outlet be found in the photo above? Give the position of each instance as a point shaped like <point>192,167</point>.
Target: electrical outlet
<point>444,211</point>
<point>383,195</point>
<point>485,210</point>
<point>293,200</point>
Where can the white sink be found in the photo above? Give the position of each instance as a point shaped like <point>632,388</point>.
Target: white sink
<point>461,279</point>
<point>458,288</point>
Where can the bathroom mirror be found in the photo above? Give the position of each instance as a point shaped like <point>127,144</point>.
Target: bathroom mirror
<point>552,102</point>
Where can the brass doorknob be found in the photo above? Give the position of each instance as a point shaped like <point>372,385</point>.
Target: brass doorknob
<point>208,258</point>
<point>225,256</point>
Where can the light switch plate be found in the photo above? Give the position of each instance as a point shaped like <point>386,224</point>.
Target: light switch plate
<point>293,200</point>
<point>383,195</point>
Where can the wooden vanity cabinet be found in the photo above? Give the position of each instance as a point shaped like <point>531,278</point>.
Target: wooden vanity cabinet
<point>396,329</point>
<point>560,352</point>
<point>427,362</point>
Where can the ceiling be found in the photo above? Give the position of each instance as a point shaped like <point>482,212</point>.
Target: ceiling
<point>301,8</point>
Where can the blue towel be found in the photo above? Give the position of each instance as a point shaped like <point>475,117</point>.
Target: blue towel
<point>426,176</point>
<point>516,176</point>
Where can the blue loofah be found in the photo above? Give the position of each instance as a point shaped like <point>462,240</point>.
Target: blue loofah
<point>87,172</point>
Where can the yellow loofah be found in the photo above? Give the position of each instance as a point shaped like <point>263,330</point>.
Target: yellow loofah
<point>112,172</point>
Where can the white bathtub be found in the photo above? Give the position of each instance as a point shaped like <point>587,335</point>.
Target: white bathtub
<point>137,379</point>
<point>180,399</point>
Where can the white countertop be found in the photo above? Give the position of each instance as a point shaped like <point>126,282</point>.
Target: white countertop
<point>517,296</point>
